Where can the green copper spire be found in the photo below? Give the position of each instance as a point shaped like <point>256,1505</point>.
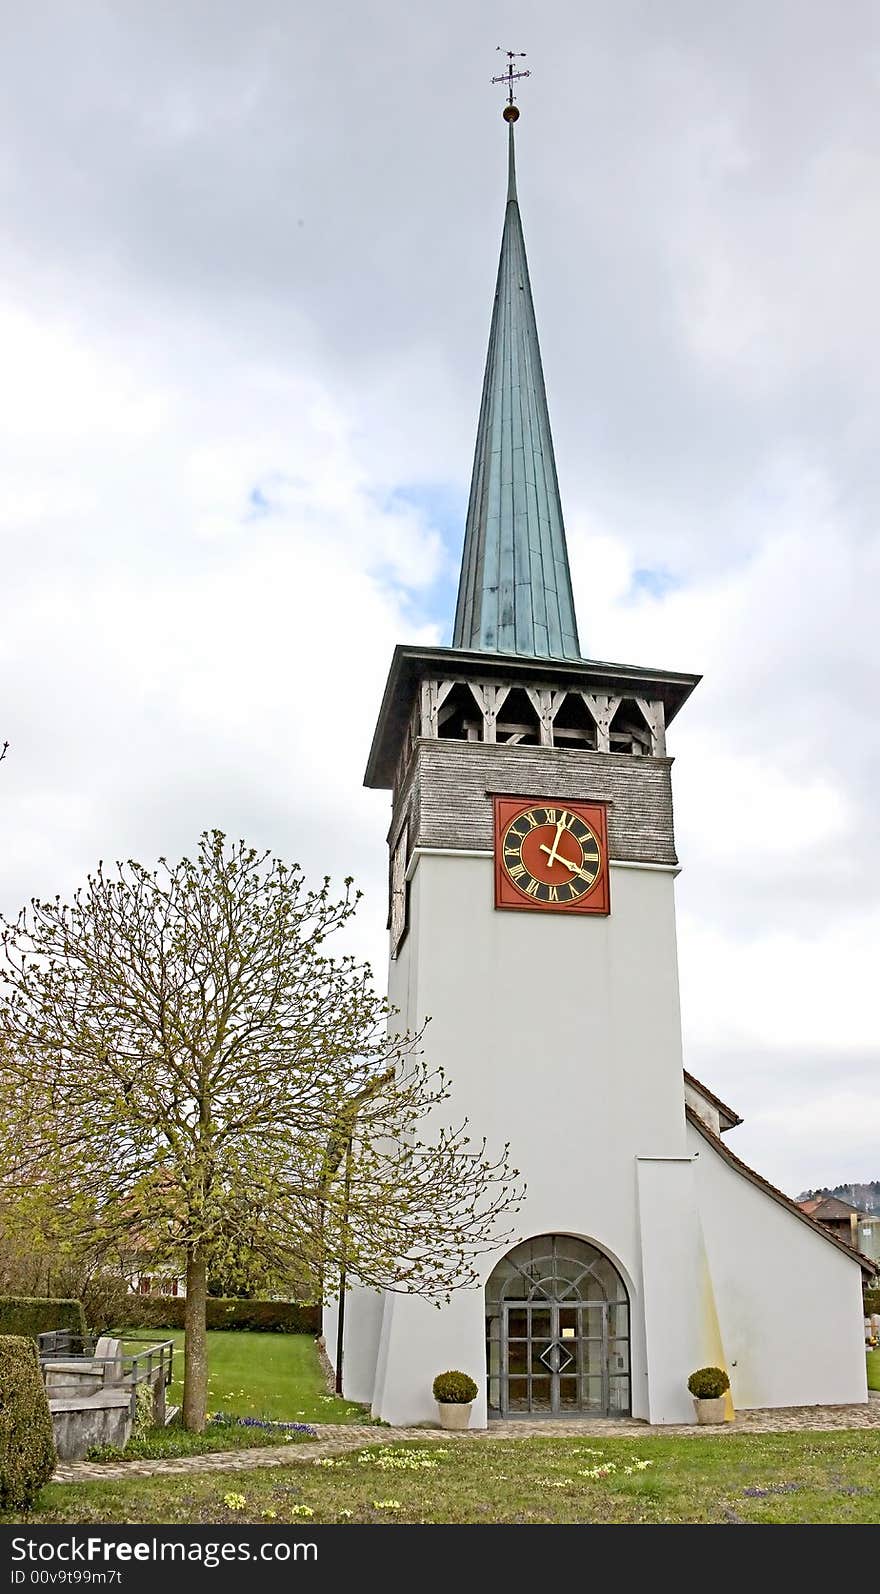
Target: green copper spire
<point>514,594</point>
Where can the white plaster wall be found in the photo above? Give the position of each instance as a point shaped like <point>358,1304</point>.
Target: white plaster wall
<point>329,1324</point>
<point>789,1303</point>
<point>363,1327</point>
<point>680,1325</point>
<point>561,1035</point>
<point>421,1341</point>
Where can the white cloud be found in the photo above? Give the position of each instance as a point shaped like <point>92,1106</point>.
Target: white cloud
<point>813,990</point>
<point>184,658</point>
<point>231,269</point>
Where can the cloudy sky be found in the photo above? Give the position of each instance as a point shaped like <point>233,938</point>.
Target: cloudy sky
<point>246,268</point>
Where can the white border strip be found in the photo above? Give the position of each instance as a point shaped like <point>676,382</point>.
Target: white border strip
<point>661,868</point>
<point>480,852</point>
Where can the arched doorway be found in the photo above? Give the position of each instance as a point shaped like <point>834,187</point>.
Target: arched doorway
<point>557,1331</point>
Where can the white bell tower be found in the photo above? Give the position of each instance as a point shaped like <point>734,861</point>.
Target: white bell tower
<point>532,917</point>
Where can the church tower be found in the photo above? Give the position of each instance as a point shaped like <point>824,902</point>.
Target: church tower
<point>532,870</point>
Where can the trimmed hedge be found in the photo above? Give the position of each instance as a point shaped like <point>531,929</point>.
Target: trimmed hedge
<point>872,1302</point>
<point>267,1317</point>
<point>27,1446</point>
<point>33,1315</point>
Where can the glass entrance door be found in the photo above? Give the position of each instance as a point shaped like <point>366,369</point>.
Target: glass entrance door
<point>557,1331</point>
<point>554,1358</point>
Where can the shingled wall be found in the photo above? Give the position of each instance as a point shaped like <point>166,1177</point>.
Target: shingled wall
<point>447,797</point>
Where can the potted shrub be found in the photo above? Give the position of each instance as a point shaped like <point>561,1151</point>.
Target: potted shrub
<point>455,1394</point>
<point>709,1385</point>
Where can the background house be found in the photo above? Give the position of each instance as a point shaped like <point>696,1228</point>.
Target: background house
<point>861,1230</point>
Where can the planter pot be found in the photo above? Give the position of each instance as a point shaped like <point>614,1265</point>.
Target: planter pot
<point>454,1415</point>
<point>711,1411</point>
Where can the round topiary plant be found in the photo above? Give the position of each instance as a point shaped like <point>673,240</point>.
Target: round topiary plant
<point>708,1383</point>
<point>454,1389</point>
<point>27,1446</point>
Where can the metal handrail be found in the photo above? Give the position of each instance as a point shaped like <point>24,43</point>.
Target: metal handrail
<point>135,1369</point>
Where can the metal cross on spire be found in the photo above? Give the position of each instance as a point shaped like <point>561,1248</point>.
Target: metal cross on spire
<point>511,111</point>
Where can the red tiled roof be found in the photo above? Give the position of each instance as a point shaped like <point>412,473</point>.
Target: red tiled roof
<point>825,1208</point>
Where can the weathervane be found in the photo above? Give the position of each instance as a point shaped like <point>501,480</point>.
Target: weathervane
<point>511,111</point>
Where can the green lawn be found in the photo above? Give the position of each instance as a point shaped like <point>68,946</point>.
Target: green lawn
<point>173,1440</point>
<point>874,1369</point>
<point>264,1375</point>
<point>761,1478</point>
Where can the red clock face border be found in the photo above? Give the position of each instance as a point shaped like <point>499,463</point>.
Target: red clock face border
<point>551,855</point>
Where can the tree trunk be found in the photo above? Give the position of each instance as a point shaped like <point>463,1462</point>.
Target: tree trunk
<point>195,1348</point>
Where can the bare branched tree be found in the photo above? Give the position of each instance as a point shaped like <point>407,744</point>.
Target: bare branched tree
<point>185,1061</point>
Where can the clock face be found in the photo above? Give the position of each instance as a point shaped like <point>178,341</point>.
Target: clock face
<point>397,911</point>
<point>551,855</point>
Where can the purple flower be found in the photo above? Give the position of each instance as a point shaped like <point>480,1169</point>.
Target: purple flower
<point>226,1419</point>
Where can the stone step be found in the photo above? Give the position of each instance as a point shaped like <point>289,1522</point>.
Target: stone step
<point>101,1400</point>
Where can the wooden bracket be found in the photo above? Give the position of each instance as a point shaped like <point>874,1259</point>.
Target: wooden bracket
<point>655,719</point>
<point>546,704</point>
<point>603,708</point>
<point>490,700</point>
<point>434,695</point>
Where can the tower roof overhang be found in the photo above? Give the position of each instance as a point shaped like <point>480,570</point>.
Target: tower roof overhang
<point>411,665</point>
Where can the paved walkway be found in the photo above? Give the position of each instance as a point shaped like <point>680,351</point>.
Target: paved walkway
<point>335,1439</point>
<point>784,1419</point>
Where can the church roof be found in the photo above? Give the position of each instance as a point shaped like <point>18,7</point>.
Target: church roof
<point>729,1117</point>
<point>724,1151</point>
<point>515,592</point>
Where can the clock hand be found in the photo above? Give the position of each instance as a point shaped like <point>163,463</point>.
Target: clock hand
<point>556,857</point>
<point>559,829</point>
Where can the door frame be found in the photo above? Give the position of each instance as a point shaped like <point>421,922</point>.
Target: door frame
<point>554,1306</point>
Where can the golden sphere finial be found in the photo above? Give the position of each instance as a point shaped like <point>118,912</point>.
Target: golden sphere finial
<point>510,113</point>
